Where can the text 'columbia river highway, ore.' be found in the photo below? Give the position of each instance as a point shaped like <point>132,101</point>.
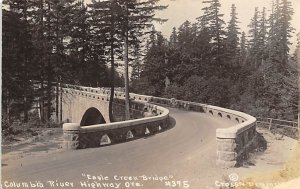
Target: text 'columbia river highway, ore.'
<point>102,181</point>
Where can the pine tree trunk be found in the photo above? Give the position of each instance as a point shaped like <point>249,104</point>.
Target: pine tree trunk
<point>25,85</point>
<point>127,111</point>
<point>49,98</point>
<point>112,59</point>
<point>60,90</point>
<point>41,34</point>
<point>41,99</point>
<point>126,77</point>
<point>48,69</point>
<point>7,106</point>
<point>57,102</point>
<point>298,61</point>
<point>58,61</point>
<point>25,108</point>
<point>112,75</point>
<point>25,76</point>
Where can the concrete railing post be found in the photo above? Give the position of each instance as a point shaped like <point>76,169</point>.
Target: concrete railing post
<point>71,135</point>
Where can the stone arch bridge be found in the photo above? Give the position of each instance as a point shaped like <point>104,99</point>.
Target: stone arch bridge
<point>85,113</point>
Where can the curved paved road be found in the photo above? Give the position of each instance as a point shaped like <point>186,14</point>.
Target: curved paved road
<point>186,154</point>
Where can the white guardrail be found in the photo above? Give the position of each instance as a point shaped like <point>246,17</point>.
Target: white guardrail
<point>278,123</point>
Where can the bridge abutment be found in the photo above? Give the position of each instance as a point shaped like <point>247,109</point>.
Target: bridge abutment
<point>71,136</point>
<point>234,151</point>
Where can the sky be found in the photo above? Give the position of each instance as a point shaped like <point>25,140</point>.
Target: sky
<point>182,10</point>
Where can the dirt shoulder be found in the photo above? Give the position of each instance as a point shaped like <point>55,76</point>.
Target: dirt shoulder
<point>47,140</point>
<point>279,163</point>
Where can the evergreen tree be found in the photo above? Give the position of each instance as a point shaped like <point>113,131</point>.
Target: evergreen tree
<point>262,37</point>
<point>217,33</point>
<point>106,19</point>
<point>41,45</point>
<point>17,56</point>
<point>79,47</point>
<point>254,27</point>
<point>232,41</point>
<point>276,68</point>
<point>285,28</point>
<point>279,35</point>
<point>173,37</point>
<point>185,37</point>
<point>258,36</point>
<point>204,19</point>
<point>187,47</point>
<point>254,39</point>
<point>243,49</point>
<point>154,70</point>
<point>204,38</point>
<point>137,62</point>
<point>272,40</point>
<point>137,16</point>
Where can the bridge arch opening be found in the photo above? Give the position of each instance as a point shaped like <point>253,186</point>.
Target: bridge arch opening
<point>92,116</point>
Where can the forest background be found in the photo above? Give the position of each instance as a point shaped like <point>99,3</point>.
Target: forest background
<point>207,60</point>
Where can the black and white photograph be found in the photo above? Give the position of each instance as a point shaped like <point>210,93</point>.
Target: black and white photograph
<point>150,94</point>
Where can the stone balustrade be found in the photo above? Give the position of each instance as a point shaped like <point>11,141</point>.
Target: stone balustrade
<point>233,143</point>
<point>148,119</point>
<point>78,137</point>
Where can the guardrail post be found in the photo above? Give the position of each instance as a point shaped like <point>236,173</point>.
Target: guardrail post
<point>270,124</point>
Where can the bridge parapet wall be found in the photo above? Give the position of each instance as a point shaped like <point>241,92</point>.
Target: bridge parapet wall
<point>77,137</point>
<point>233,143</point>
<point>99,97</point>
<point>147,119</point>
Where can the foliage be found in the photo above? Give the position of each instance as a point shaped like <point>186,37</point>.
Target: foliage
<point>50,41</point>
<point>209,63</point>
<point>46,42</point>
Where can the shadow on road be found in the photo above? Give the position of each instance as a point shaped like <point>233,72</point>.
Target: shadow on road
<point>172,123</point>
